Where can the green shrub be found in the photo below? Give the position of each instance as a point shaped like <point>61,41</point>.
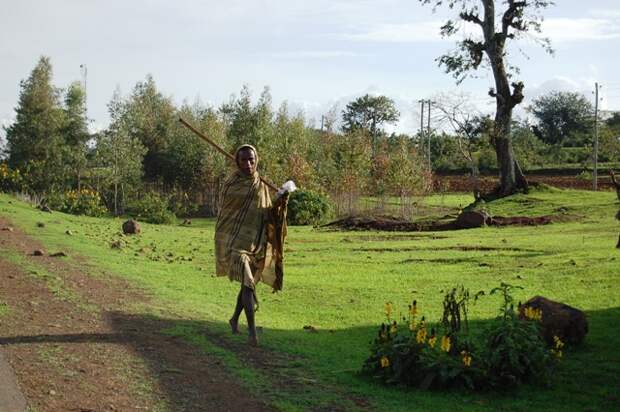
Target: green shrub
<point>77,202</point>
<point>507,353</point>
<point>151,208</point>
<point>306,207</point>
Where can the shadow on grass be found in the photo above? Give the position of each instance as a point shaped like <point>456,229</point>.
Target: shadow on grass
<point>200,366</point>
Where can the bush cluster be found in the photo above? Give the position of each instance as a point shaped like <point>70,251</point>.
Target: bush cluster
<point>78,202</point>
<point>306,207</point>
<point>151,208</point>
<point>506,353</point>
<point>10,180</point>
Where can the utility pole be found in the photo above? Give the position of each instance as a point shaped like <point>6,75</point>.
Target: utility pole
<point>428,128</point>
<point>595,168</point>
<point>422,101</point>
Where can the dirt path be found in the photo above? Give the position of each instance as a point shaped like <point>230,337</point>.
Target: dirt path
<point>75,346</point>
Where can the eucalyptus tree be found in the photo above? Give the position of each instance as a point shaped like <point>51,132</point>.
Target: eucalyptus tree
<point>498,22</point>
<point>34,140</point>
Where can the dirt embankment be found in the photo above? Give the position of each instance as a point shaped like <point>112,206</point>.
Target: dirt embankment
<point>464,183</point>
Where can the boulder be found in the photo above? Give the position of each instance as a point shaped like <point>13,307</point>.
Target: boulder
<point>38,252</point>
<point>558,319</point>
<point>472,219</point>
<point>131,227</point>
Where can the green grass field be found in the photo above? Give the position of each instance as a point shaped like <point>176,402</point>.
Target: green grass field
<point>338,283</point>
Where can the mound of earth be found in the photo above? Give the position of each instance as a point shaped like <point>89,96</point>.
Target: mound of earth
<point>466,220</point>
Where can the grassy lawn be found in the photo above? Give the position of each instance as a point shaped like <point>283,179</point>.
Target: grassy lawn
<point>338,283</point>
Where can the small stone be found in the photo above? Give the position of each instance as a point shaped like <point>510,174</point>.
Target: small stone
<point>45,208</point>
<point>68,232</point>
<point>131,227</point>
<point>7,229</point>
<point>38,252</point>
<point>59,254</point>
<point>52,392</point>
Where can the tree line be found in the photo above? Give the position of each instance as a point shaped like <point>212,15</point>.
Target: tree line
<point>145,153</point>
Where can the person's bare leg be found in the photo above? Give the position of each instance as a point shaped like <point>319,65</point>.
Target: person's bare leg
<point>247,296</point>
<point>234,321</point>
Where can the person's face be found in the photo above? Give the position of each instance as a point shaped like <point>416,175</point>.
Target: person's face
<point>247,161</point>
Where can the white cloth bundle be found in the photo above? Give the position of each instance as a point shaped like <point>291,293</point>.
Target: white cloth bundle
<point>288,186</point>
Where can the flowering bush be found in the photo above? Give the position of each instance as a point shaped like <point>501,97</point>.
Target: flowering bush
<point>151,208</point>
<point>508,352</point>
<point>10,180</point>
<point>78,202</point>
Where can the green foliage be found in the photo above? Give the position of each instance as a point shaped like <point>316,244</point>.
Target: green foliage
<point>35,140</point>
<point>563,118</point>
<point>150,207</point>
<point>78,202</point>
<point>369,113</point>
<point>508,352</point>
<point>10,180</point>
<point>306,207</point>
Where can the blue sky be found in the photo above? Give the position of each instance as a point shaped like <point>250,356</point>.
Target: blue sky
<point>314,54</point>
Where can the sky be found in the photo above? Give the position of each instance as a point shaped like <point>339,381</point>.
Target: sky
<point>315,55</point>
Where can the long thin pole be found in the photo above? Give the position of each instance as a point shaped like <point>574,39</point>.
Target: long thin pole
<point>219,148</point>
<point>422,125</point>
<point>595,168</point>
<point>429,135</point>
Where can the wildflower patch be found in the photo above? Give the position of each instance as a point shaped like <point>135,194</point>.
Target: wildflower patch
<point>507,352</point>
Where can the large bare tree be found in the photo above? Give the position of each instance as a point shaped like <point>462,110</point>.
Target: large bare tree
<point>498,22</point>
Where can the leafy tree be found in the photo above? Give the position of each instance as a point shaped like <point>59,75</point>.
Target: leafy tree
<point>75,131</point>
<point>34,140</point>
<point>497,26</point>
<point>148,116</point>
<point>562,118</point>
<point>368,114</point>
<point>117,164</point>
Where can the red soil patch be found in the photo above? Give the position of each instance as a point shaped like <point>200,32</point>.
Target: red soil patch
<point>82,349</point>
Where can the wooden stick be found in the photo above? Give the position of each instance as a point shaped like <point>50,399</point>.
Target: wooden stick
<point>220,149</point>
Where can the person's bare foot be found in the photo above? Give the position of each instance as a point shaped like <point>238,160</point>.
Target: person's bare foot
<point>253,340</point>
<point>234,326</point>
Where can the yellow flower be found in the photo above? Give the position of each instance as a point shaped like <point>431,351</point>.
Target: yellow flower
<point>445,343</point>
<point>421,335</point>
<point>466,358</point>
<point>385,362</point>
<point>558,343</point>
<point>557,353</point>
<point>431,341</point>
<point>413,309</point>
<point>388,309</point>
<point>412,325</point>
<point>393,328</point>
<point>533,314</point>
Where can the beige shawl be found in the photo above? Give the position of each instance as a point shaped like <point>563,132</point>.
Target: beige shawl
<point>250,232</point>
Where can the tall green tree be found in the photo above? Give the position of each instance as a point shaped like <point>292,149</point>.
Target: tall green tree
<point>75,131</point>
<point>118,158</point>
<point>369,114</point>
<point>563,118</point>
<point>34,140</point>
<point>498,22</point>
<point>148,116</point>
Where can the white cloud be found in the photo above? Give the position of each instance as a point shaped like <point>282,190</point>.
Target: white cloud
<point>566,29</point>
<point>605,13</point>
<point>401,33</point>
<point>314,54</point>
